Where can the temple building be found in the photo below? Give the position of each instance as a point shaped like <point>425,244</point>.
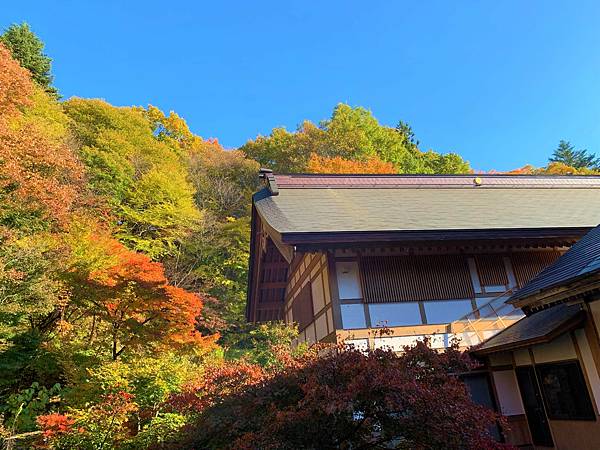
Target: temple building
<point>381,261</point>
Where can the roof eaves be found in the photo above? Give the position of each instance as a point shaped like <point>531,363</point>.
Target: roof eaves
<point>566,326</point>
<point>324,237</point>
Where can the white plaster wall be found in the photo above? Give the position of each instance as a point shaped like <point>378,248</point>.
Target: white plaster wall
<point>396,343</point>
<point>559,349</point>
<point>321,326</point>
<point>359,344</point>
<point>522,357</point>
<point>310,334</point>
<point>348,280</point>
<point>509,396</point>
<point>588,365</point>
<point>318,296</point>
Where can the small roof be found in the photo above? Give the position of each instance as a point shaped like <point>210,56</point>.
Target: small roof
<point>582,260</point>
<point>541,327</point>
<point>296,206</point>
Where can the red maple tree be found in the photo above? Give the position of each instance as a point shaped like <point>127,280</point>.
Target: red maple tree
<point>332,399</point>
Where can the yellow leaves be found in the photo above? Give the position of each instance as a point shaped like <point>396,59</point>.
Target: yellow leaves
<point>558,168</point>
<point>169,127</point>
<point>91,248</point>
<point>553,168</point>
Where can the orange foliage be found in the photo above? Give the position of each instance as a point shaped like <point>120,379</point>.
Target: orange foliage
<point>131,292</point>
<point>53,425</point>
<point>558,168</point>
<point>15,85</point>
<point>553,168</point>
<point>36,171</point>
<point>322,164</point>
<point>131,267</point>
<point>525,170</point>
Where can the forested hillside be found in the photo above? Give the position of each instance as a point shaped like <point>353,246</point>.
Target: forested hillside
<point>124,244</point>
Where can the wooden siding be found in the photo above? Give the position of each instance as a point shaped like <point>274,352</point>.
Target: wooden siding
<point>527,265</point>
<point>272,284</point>
<point>491,270</point>
<point>412,278</point>
<point>308,299</point>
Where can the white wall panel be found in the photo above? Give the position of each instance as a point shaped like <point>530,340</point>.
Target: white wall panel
<point>348,279</point>
<point>508,393</point>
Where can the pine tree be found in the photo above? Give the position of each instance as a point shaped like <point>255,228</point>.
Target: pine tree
<point>28,50</point>
<point>566,154</point>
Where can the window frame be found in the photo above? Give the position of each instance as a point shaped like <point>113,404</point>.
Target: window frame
<point>552,415</point>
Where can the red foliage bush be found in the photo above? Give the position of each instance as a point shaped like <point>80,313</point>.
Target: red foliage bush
<point>53,425</point>
<point>332,399</point>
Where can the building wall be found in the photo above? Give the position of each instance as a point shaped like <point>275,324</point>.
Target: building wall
<point>421,293</point>
<point>309,282</point>
<point>566,434</point>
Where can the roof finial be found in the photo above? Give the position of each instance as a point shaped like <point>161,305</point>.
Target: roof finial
<point>269,179</point>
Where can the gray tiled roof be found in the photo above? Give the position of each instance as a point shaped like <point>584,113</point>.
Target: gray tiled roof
<point>308,204</point>
<point>581,260</point>
<point>542,326</point>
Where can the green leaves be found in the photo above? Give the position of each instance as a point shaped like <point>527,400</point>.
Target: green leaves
<point>352,134</point>
<point>141,174</point>
<point>157,211</point>
<point>22,408</point>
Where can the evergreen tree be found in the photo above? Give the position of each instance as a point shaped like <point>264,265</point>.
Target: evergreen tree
<point>28,50</point>
<point>566,154</point>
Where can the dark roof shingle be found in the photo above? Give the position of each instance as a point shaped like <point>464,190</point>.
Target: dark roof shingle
<point>352,203</point>
<point>581,260</point>
<point>543,326</point>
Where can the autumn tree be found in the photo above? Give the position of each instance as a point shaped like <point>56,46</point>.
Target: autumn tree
<point>339,399</point>
<point>28,50</point>
<point>224,180</point>
<point>321,164</point>
<point>142,176</point>
<point>39,174</point>
<point>350,134</point>
<point>553,168</point>
<point>125,297</point>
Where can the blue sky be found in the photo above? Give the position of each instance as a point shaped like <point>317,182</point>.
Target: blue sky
<point>498,82</point>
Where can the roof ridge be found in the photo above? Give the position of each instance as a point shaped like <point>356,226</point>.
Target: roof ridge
<point>429,175</point>
<point>434,181</point>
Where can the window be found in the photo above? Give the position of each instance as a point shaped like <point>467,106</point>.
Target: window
<point>447,311</point>
<point>353,316</point>
<point>394,314</point>
<point>564,391</point>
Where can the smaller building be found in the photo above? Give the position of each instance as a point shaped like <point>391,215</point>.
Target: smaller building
<point>544,368</point>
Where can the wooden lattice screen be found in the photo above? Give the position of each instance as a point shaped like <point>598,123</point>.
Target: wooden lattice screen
<point>527,265</point>
<point>491,269</point>
<point>411,278</point>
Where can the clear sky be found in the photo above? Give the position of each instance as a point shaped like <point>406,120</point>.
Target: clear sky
<point>500,82</point>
